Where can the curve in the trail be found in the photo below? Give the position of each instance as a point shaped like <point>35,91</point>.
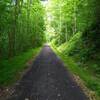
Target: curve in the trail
<point>47,79</point>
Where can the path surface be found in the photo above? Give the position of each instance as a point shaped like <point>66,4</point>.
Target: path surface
<point>47,80</point>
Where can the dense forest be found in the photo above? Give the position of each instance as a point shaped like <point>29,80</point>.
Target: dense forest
<point>22,29</point>
<point>75,33</point>
<point>21,26</point>
<point>72,27</point>
<point>76,25</point>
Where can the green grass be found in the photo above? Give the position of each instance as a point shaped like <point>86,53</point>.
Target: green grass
<point>10,70</point>
<point>93,83</point>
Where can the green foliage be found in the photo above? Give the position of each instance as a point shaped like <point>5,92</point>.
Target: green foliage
<point>21,26</point>
<point>11,70</point>
<point>21,29</point>
<point>77,33</point>
<point>71,47</point>
<point>77,28</point>
<point>87,56</point>
<point>71,16</point>
<point>89,80</point>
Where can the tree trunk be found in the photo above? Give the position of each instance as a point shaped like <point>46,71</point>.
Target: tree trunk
<point>12,33</point>
<point>75,19</point>
<point>28,16</point>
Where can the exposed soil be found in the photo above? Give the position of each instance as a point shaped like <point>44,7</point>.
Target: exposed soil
<point>47,79</point>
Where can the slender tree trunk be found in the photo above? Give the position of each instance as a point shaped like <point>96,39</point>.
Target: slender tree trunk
<point>0,51</point>
<point>11,43</point>
<point>97,11</point>
<point>12,33</point>
<point>28,15</point>
<point>75,19</point>
<point>0,40</point>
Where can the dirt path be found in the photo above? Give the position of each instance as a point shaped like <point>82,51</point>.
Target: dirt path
<point>47,80</point>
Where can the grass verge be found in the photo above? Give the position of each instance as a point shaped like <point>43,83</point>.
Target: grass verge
<point>89,80</point>
<point>10,70</point>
